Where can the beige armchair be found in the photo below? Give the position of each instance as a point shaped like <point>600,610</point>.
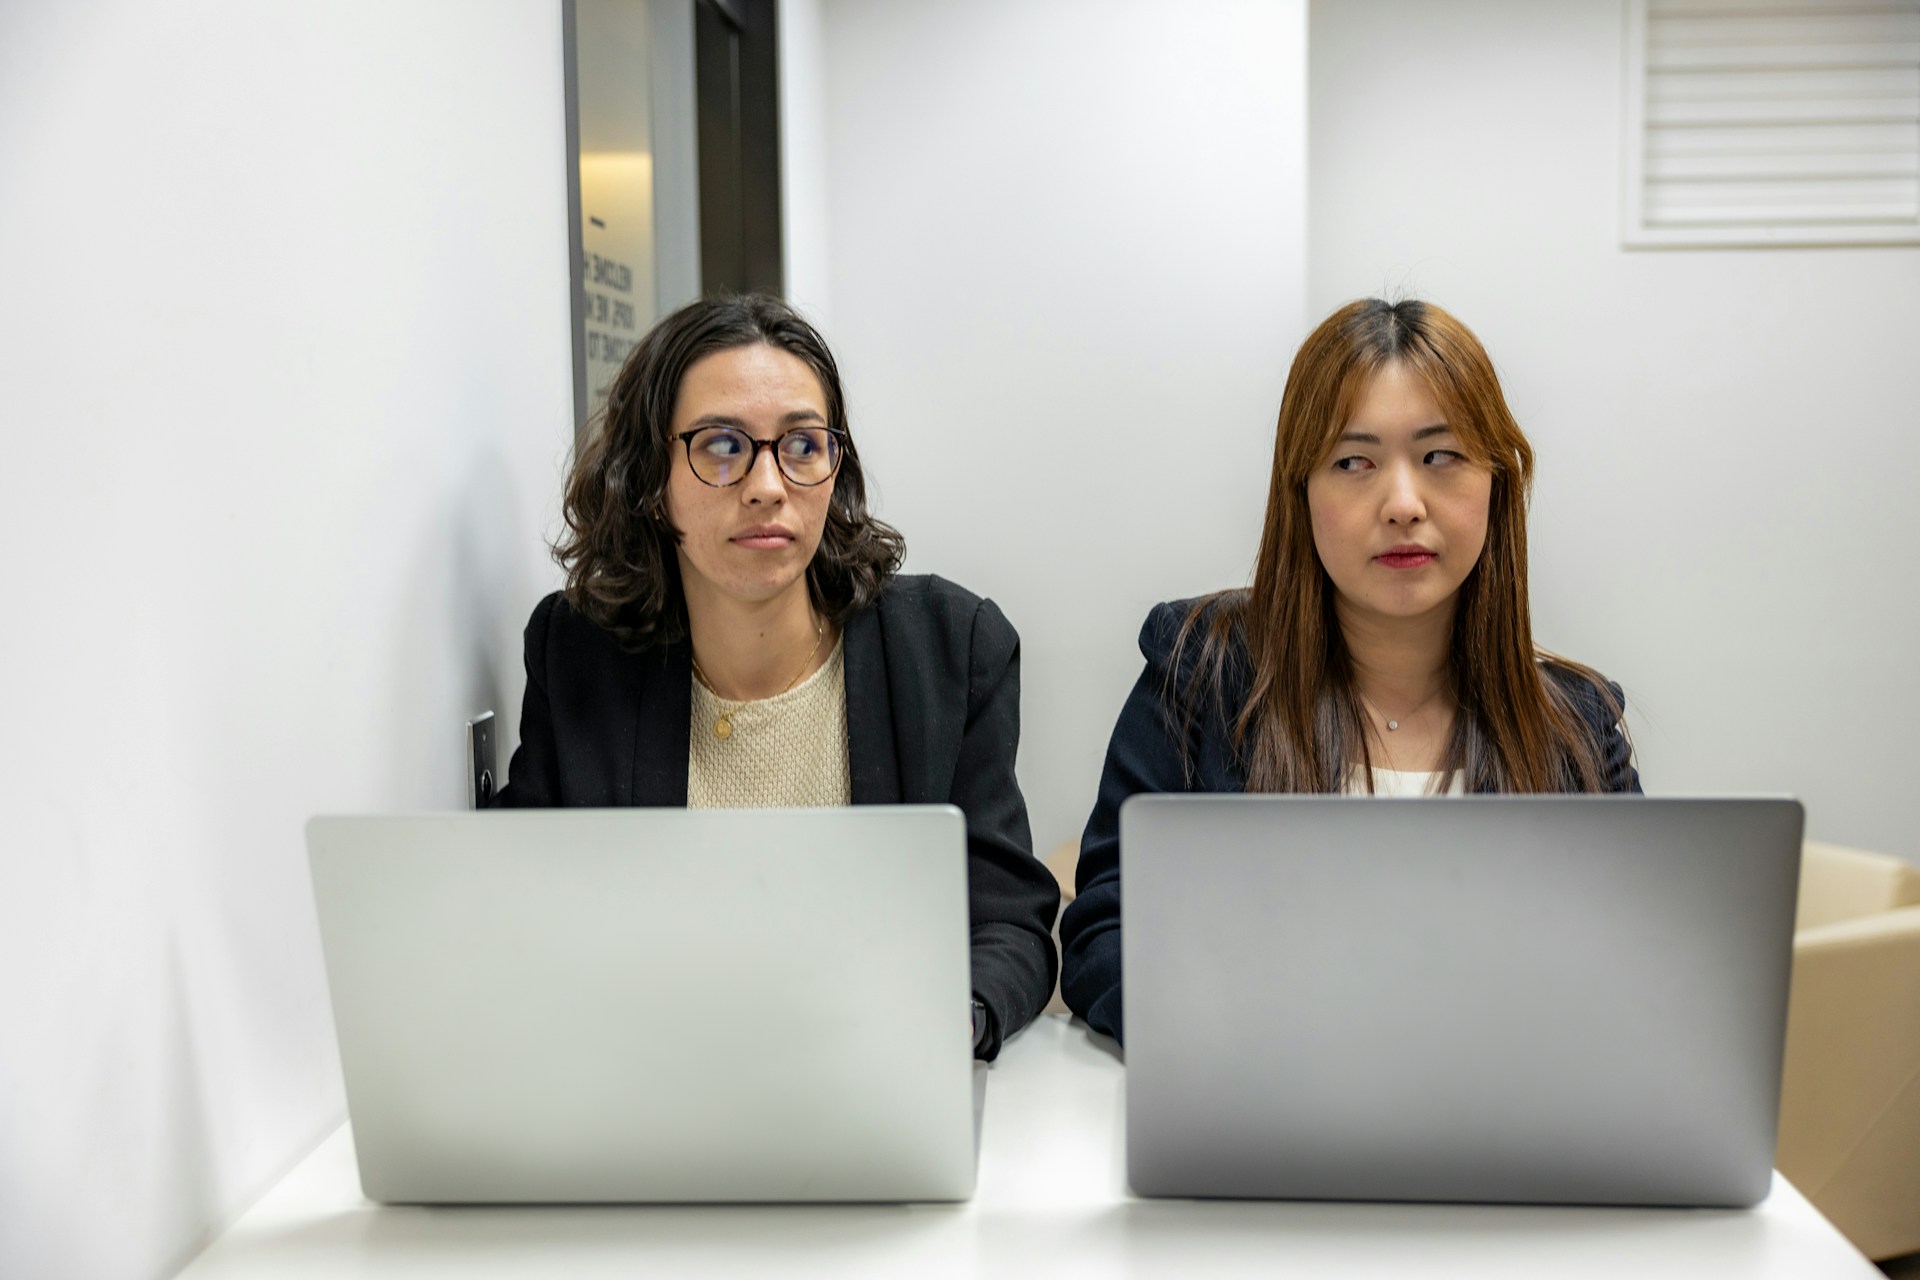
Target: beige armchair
<point>1850,1093</point>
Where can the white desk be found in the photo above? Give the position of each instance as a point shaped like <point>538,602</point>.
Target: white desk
<point>1052,1202</point>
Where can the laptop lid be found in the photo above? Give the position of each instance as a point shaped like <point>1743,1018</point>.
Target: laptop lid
<point>1572,999</point>
<point>652,1004</point>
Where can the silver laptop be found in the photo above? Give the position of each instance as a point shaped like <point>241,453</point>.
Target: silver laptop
<point>1555,999</point>
<point>652,1004</point>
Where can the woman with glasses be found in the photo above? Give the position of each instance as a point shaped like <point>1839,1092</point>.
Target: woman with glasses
<point>733,631</point>
<point>1385,646</point>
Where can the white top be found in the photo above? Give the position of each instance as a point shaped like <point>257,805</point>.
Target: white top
<point>1402,782</point>
<point>784,752</point>
<point>1052,1202</point>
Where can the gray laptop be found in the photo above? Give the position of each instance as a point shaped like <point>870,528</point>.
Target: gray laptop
<point>1555,999</point>
<point>652,1004</point>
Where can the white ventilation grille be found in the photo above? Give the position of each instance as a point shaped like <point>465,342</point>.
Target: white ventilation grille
<point>1773,122</point>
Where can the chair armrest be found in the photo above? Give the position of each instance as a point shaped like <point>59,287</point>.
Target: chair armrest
<point>1862,931</point>
<point>1844,884</point>
<point>1063,859</point>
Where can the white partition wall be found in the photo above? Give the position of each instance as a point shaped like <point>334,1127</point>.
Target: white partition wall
<point>1727,437</point>
<point>1063,269</point>
<point>284,388</point>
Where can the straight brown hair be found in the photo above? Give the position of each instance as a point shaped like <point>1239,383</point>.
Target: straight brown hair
<point>1294,714</point>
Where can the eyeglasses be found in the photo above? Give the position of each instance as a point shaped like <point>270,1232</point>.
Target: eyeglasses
<point>721,456</point>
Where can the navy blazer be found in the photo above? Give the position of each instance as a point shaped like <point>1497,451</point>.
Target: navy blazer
<point>933,717</point>
<point>1145,755</point>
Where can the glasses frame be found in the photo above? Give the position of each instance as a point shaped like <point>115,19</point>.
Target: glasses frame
<point>840,438</point>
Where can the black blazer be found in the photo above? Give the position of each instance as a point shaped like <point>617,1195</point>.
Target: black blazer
<point>1145,755</point>
<point>933,717</point>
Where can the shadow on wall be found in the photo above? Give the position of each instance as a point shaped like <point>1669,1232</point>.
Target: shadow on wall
<point>184,1182</point>
<point>183,1178</point>
<point>467,596</point>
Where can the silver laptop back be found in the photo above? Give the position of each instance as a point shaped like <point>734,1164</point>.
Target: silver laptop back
<point>652,1004</point>
<point>1493,999</point>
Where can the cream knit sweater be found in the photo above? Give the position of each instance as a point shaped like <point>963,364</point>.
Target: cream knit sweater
<point>787,751</point>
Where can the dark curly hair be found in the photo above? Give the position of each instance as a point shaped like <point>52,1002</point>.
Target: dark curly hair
<point>620,547</point>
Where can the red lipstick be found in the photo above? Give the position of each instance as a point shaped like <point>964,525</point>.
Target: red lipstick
<point>1407,555</point>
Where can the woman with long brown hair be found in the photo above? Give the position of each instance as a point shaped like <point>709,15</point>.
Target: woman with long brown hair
<point>734,632</point>
<point>1385,646</point>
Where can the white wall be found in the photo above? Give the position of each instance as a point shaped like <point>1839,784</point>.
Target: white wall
<point>1064,260</point>
<point>803,160</point>
<point>1727,439</point>
<point>284,387</point>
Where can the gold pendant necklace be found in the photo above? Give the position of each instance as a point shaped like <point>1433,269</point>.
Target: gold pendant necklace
<point>723,727</point>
